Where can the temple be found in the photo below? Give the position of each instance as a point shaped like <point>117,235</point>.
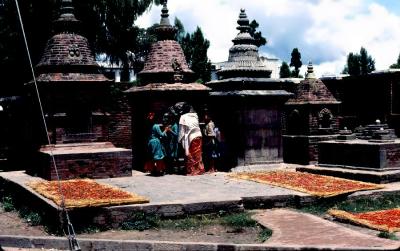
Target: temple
<point>311,116</point>
<point>73,91</point>
<point>165,80</point>
<point>248,104</point>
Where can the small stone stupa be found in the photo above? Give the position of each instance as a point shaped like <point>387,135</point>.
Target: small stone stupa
<point>73,92</point>
<point>248,104</point>
<point>311,117</point>
<point>165,80</point>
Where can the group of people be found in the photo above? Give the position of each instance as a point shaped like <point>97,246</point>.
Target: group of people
<point>179,133</point>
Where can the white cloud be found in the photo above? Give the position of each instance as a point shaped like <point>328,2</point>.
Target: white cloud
<point>325,31</point>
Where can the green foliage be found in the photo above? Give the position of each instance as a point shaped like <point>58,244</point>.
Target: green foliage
<point>8,204</point>
<point>387,235</point>
<point>189,222</point>
<point>285,71</point>
<point>260,40</point>
<point>264,235</point>
<point>295,62</point>
<point>320,207</point>
<point>359,64</point>
<point>359,205</point>
<point>140,221</point>
<point>195,48</point>
<point>396,65</point>
<point>33,218</point>
<point>240,220</point>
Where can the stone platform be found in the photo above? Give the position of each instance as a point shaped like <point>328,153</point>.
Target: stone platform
<point>381,177</point>
<point>83,160</point>
<point>174,196</point>
<point>360,154</point>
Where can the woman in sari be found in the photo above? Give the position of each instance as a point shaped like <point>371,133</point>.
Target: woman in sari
<point>156,151</point>
<point>191,139</point>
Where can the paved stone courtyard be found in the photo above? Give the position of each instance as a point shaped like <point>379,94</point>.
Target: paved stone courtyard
<point>292,230</point>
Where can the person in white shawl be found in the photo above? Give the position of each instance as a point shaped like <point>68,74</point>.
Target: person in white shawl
<point>191,139</point>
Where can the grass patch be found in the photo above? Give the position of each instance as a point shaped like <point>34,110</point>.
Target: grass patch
<point>189,222</point>
<point>239,220</point>
<point>8,204</point>
<point>264,235</point>
<point>236,221</point>
<point>387,235</point>
<point>360,205</point>
<point>140,221</point>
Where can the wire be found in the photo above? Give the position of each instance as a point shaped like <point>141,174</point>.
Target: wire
<point>73,243</point>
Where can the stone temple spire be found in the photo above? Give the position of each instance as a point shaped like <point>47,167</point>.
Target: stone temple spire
<point>310,71</point>
<point>165,31</point>
<point>244,60</point>
<point>66,22</point>
<point>244,36</point>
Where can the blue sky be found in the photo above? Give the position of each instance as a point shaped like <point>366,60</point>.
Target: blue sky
<point>325,31</point>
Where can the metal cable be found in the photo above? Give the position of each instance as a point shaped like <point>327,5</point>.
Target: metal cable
<point>73,243</point>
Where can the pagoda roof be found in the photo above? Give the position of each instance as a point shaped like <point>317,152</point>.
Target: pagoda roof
<point>67,55</point>
<point>166,68</point>
<point>164,58</point>
<point>312,91</point>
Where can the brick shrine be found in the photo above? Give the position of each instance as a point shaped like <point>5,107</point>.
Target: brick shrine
<point>73,93</point>
<point>165,80</point>
<point>311,116</point>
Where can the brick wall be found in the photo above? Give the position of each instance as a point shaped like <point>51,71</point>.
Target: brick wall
<point>87,165</point>
<point>120,125</point>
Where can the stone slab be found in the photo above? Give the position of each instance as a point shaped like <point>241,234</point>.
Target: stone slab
<point>360,154</point>
<point>305,230</point>
<point>381,177</point>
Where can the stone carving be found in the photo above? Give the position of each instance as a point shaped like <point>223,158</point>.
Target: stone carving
<point>325,118</point>
<point>73,51</point>
<point>178,76</point>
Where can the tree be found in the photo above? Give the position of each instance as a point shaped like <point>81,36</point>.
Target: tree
<point>285,71</point>
<point>396,65</point>
<point>359,64</point>
<point>195,48</point>
<point>260,40</point>
<point>367,64</point>
<point>295,62</point>
<point>353,67</point>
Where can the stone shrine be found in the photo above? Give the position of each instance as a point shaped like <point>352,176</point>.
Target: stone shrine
<point>371,154</point>
<point>247,104</point>
<point>311,117</point>
<point>165,80</point>
<point>73,93</point>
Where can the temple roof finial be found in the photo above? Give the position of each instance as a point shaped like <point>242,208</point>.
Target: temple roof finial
<point>66,22</point>
<point>165,31</point>
<point>244,23</point>
<point>66,8</point>
<point>164,13</point>
<point>310,71</point>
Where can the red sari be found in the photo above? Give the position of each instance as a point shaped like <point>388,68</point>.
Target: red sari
<point>194,162</point>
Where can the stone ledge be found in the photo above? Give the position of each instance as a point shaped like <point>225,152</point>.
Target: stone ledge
<point>381,177</point>
<point>90,244</point>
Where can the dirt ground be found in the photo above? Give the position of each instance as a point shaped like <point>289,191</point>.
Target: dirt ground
<point>214,234</point>
<point>12,224</point>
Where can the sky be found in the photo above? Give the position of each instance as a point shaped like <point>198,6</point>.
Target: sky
<point>324,31</point>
